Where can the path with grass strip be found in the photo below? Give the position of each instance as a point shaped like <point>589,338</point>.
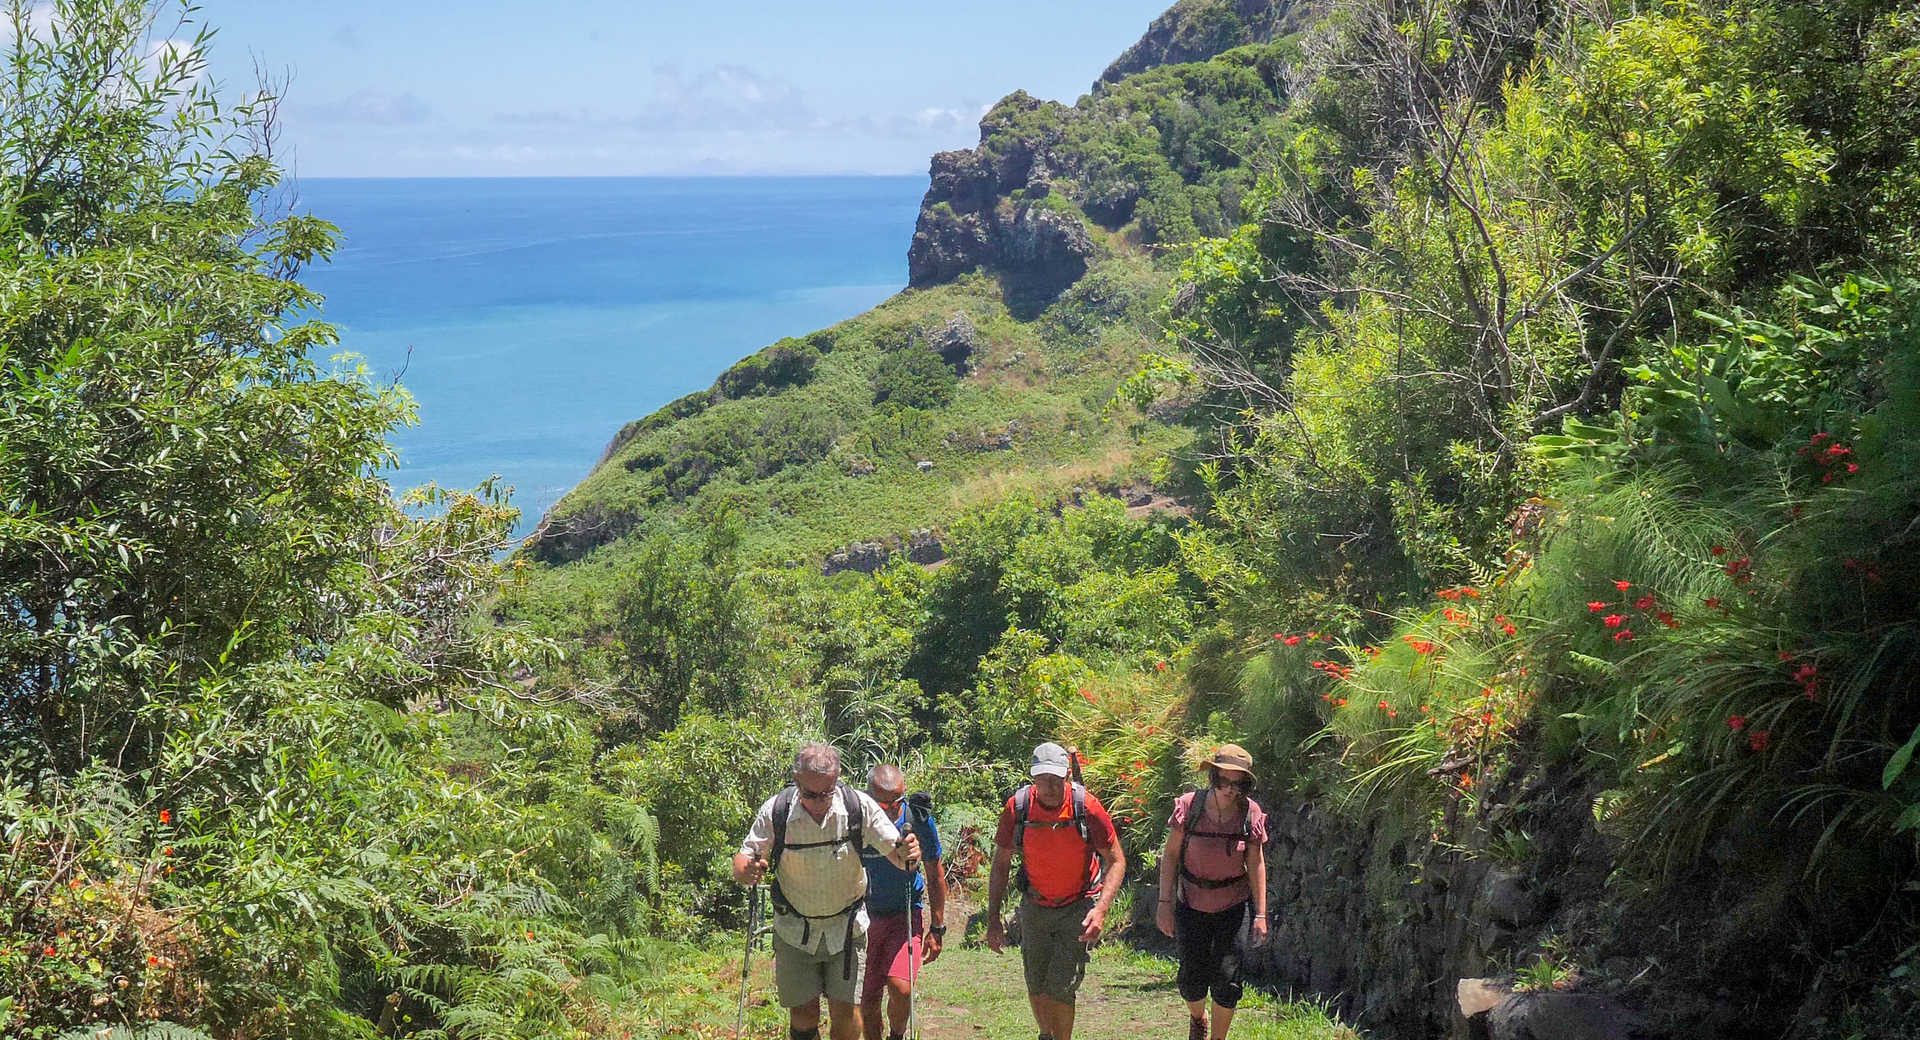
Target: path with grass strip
<point>971,993</point>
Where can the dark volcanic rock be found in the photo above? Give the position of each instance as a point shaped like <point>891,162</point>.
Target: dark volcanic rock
<point>956,341</point>
<point>990,208</point>
<point>1564,1016</point>
<point>865,557</point>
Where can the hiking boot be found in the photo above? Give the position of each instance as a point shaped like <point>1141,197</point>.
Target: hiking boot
<point>1196,1029</point>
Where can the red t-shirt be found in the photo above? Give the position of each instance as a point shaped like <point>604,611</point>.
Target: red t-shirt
<point>1059,870</point>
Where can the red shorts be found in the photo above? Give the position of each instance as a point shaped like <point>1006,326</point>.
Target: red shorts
<point>890,954</point>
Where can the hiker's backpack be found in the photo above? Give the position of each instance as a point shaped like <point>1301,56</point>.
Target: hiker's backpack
<point>1022,801</point>
<point>1196,811</point>
<point>855,835</point>
<point>783,807</point>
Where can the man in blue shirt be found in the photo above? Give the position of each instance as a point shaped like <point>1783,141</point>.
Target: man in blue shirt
<point>901,936</point>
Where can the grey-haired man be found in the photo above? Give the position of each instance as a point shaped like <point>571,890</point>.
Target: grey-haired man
<point>813,832</point>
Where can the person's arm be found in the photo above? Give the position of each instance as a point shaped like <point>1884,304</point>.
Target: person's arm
<point>749,864</point>
<point>903,851</point>
<point>1257,876</point>
<point>1116,871</point>
<point>1004,835</point>
<point>1169,878</point>
<point>936,896</point>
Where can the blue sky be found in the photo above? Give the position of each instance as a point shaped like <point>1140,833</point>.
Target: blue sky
<point>594,87</point>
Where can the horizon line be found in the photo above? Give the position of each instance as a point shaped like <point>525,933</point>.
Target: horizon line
<point>590,176</point>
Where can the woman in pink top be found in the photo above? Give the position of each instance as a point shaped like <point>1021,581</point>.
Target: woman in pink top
<point>1213,874</point>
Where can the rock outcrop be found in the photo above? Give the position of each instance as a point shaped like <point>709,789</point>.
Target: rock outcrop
<point>1195,30</point>
<point>991,209</point>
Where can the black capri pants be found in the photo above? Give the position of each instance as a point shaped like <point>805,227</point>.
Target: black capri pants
<point>1210,952</point>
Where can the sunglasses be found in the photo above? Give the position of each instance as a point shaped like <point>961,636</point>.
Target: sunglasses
<point>1238,785</point>
<point>815,796</point>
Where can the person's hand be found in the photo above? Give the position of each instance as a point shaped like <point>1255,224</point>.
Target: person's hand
<point>1163,918</point>
<point>996,934</point>
<point>911,845</point>
<point>932,948</point>
<point>1259,929</point>
<point>754,872</point>
<point>1091,925</point>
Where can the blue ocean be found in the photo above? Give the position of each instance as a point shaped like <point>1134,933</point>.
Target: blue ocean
<point>531,318</point>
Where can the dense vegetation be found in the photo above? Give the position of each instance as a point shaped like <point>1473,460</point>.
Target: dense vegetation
<point>1543,384</point>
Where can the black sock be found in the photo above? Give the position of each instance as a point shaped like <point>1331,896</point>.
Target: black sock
<point>804,1034</point>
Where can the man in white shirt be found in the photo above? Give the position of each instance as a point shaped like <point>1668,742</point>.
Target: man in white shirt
<point>819,893</point>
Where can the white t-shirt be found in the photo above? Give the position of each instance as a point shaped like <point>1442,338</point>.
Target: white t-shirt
<point>824,880</point>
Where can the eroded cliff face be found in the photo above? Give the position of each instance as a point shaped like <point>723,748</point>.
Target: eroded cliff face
<point>992,208</point>
<point>1195,30</point>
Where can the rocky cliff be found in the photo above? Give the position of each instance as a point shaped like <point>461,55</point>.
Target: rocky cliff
<point>993,207</point>
<point>1195,30</point>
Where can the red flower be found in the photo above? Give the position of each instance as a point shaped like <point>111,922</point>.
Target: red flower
<point>1472,593</point>
<point>1625,635</point>
<point>1382,705</point>
<point>1313,635</point>
<point>1139,763</point>
<point>1758,739</point>
<point>1818,437</point>
<point>1426,709</point>
<point>1392,714</point>
<point>1508,629</point>
<point>152,961</point>
<point>166,816</point>
<point>1712,601</point>
<point>1486,717</point>
<point>1085,694</point>
<point>1466,780</point>
<point>1159,666</point>
<point>1623,585</point>
<point>1279,635</point>
<point>1666,618</point>
<point>1736,722</point>
<point>1644,602</point>
<point>1737,566</point>
<point>168,851</point>
<point>1853,467</point>
<point>1718,550</point>
<point>1614,620</point>
<point>1339,702</point>
<point>1292,640</point>
<point>49,951</point>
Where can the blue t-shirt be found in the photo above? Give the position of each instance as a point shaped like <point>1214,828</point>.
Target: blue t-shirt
<point>887,885</point>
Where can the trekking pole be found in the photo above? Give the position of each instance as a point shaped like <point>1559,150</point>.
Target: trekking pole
<point>913,959</point>
<point>746,959</point>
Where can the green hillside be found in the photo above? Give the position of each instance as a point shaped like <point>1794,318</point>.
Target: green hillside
<point>1511,409</point>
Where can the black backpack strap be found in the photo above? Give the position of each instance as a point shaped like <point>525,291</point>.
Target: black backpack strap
<point>856,817</point>
<point>782,808</point>
<point>1245,834</point>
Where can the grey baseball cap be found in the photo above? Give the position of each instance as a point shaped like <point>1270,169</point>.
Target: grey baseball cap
<point>1050,759</point>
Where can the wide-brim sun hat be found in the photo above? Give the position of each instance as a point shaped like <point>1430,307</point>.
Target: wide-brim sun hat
<point>1234,757</point>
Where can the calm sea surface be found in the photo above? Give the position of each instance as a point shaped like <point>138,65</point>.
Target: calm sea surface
<point>531,318</point>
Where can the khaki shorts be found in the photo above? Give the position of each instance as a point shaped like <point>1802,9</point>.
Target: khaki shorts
<point>802,977</point>
<point>1051,950</point>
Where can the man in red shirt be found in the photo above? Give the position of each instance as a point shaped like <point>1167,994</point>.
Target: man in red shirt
<point>1070,870</point>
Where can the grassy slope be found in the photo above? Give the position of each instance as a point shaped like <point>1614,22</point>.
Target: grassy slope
<point>1051,376</point>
